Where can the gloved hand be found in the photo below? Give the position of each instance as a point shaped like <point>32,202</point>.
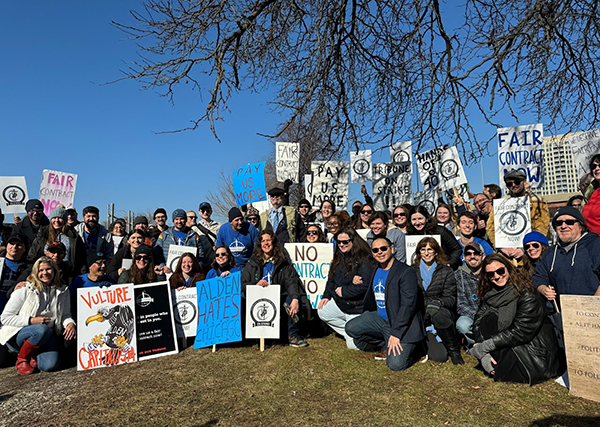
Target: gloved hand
<point>486,363</point>
<point>432,308</point>
<point>481,349</point>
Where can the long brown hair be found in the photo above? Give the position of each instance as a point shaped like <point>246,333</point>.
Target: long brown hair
<point>138,277</point>
<point>53,233</point>
<point>278,254</point>
<point>528,266</point>
<point>440,255</point>
<point>178,273</point>
<point>359,254</point>
<point>515,277</point>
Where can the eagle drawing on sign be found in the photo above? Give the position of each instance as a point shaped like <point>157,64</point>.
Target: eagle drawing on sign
<point>119,333</point>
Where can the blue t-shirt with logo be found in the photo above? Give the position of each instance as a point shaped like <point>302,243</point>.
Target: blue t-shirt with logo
<point>179,237</point>
<point>241,243</point>
<point>268,272</point>
<point>379,289</point>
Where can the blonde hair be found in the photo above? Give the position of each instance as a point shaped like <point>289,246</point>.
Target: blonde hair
<point>34,279</point>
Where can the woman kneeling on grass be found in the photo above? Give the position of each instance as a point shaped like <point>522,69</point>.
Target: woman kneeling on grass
<point>515,339</point>
<point>35,315</point>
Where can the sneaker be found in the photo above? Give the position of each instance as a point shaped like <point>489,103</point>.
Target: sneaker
<point>381,356</point>
<point>424,359</point>
<point>297,342</point>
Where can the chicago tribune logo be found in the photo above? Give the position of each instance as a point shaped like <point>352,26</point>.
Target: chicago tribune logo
<point>263,313</point>
<point>362,166</point>
<point>13,195</point>
<point>144,300</point>
<point>185,313</point>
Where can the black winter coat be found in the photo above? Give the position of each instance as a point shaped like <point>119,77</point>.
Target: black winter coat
<point>284,274</point>
<point>351,301</point>
<point>116,262</point>
<point>26,228</point>
<point>442,289</point>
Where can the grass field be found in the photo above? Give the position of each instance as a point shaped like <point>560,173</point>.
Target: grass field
<point>324,384</point>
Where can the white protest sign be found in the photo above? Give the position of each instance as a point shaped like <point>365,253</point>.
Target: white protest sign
<point>427,199</point>
<point>362,232</point>
<point>175,253</point>
<point>312,262</point>
<point>57,188</point>
<point>287,161</point>
<point>126,263</point>
<point>13,194</point>
<point>262,206</point>
<point>584,145</point>
<point>391,185</point>
<point>185,311</point>
<point>1,265</point>
<point>521,148</point>
<point>330,182</point>
<point>308,178</point>
<point>429,164</point>
<point>512,221</point>
<point>401,152</point>
<point>451,170</point>
<point>413,241</point>
<point>262,311</point>
<point>360,162</point>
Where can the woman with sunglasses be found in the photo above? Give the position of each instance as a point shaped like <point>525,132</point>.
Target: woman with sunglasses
<point>438,283</point>
<point>362,222</point>
<point>142,270</point>
<point>515,340</point>
<point>348,281</point>
<point>314,234</point>
<point>253,217</point>
<point>305,212</point>
<point>224,263</point>
<point>134,241</point>
<point>400,218</point>
<point>187,273</point>
<point>534,246</point>
<point>591,210</point>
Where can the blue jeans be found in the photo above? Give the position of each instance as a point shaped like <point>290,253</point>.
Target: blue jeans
<point>464,325</point>
<point>42,336</point>
<point>369,330</point>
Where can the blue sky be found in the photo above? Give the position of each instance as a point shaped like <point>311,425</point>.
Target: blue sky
<point>55,114</point>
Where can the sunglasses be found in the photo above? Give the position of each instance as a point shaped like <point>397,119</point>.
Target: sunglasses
<point>344,242</point>
<point>252,218</point>
<point>381,248</point>
<point>367,212</point>
<point>532,245</point>
<point>569,222</point>
<point>142,258</point>
<point>500,272</point>
<point>398,215</point>
<point>510,182</point>
<point>595,166</point>
<point>472,253</point>
<point>221,254</point>
<point>312,232</point>
<point>304,206</point>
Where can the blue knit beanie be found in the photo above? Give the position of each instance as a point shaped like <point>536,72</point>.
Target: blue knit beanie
<point>535,236</point>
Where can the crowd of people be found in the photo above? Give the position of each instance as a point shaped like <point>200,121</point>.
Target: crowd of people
<point>457,293</point>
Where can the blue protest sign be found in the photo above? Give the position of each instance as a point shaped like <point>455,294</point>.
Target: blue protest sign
<point>219,311</point>
<point>249,183</point>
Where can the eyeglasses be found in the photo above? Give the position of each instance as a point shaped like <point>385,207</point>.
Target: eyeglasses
<point>381,248</point>
<point>366,212</point>
<point>304,207</point>
<point>398,215</point>
<point>426,250</point>
<point>509,183</point>
<point>312,232</point>
<point>500,272</point>
<point>534,245</point>
<point>221,254</point>
<point>142,258</point>
<point>344,242</point>
<point>472,253</point>
<point>569,222</point>
<point>333,224</point>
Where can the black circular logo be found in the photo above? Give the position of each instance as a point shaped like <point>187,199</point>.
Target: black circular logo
<point>184,313</point>
<point>13,195</point>
<point>449,169</point>
<point>263,312</point>
<point>361,166</point>
<point>513,222</point>
<point>401,156</point>
<point>429,205</point>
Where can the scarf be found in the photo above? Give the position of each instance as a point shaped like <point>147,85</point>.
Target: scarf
<point>427,274</point>
<point>505,300</point>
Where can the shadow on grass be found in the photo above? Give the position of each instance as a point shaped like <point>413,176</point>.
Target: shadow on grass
<point>566,420</point>
<point>208,423</point>
<point>5,397</point>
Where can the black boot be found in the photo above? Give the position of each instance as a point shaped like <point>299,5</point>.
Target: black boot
<point>450,340</point>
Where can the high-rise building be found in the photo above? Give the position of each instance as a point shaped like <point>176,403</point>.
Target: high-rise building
<point>560,173</point>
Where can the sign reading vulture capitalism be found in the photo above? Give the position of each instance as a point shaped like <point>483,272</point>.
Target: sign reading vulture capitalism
<point>287,161</point>
<point>219,317</point>
<point>401,152</point>
<point>429,164</point>
<point>13,194</point>
<point>512,221</point>
<point>185,311</point>
<point>330,182</point>
<point>105,326</point>
<point>154,323</point>
<point>584,145</point>
<point>249,183</point>
<point>175,252</point>
<point>412,242</point>
<point>360,163</point>
<point>427,199</point>
<point>312,262</point>
<point>262,311</point>
<point>57,188</point>
<point>521,148</point>
<point>581,325</point>
<point>391,185</point>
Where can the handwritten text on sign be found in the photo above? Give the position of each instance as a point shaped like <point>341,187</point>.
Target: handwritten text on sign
<point>521,148</point>
<point>512,221</point>
<point>312,262</point>
<point>249,184</point>
<point>287,161</point>
<point>330,182</point>
<point>57,188</point>
<point>391,185</point>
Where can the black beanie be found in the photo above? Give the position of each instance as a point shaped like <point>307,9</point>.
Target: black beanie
<point>234,213</point>
<point>571,211</point>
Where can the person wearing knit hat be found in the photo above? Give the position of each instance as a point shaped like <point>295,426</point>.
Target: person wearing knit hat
<point>534,246</point>
<point>304,211</point>
<point>142,269</point>
<point>30,225</point>
<point>253,216</point>
<point>239,235</point>
<point>206,225</point>
<point>96,264</point>
<point>160,218</point>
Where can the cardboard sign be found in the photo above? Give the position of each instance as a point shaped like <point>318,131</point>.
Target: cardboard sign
<point>581,325</point>
<point>330,182</point>
<point>429,164</point>
<point>401,152</point>
<point>427,199</point>
<point>412,242</point>
<point>175,252</point>
<point>154,323</point>
<point>308,186</point>
<point>287,161</point>
<point>362,232</point>
<point>262,311</point>
<point>391,185</point>
<point>512,221</point>
<point>57,188</point>
<point>312,262</point>
<point>106,332</point>
<point>185,311</point>
<point>451,172</point>
<point>521,148</point>
<point>362,170</point>
<point>13,194</point>
<point>584,145</point>
<point>249,184</point>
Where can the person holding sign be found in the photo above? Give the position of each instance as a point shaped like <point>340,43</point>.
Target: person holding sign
<point>134,241</point>
<point>392,318</point>
<point>591,210</point>
<point>515,340</point>
<point>34,316</point>
<point>224,263</point>
<point>269,265</point>
<point>351,269</point>
<point>187,273</point>
<point>142,270</point>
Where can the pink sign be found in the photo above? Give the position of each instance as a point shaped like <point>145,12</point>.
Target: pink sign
<point>57,188</point>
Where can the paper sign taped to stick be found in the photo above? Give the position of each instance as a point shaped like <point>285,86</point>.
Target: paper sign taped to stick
<point>330,182</point>
<point>427,199</point>
<point>391,185</point>
<point>57,188</point>
<point>584,145</point>
<point>185,311</point>
<point>106,327</point>
<point>401,152</point>
<point>521,148</point>
<point>287,161</point>
<point>512,221</point>
<point>249,184</point>
<point>451,172</point>
<point>219,310</point>
<point>429,164</point>
<point>262,311</point>
<point>361,166</point>
<point>13,194</point>
<point>413,241</point>
<point>312,262</point>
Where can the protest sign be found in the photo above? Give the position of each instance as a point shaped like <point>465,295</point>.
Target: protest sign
<point>262,311</point>
<point>106,327</point>
<point>219,306</point>
<point>308,178</point>
<point>126,263</point>
<point>249,184</point>
<point>412,242</point>
<point>13,192</point>
<point>512,221</point>
<point>154,323</point>
<point>57,188</point>
<point>287,161</point>
<point>391,185</point>
<point>429,164</point>
<point>427,199</point>
<point>330,182</point>
<point>175,252</point>
<point>401,152</point>
<point>451,172</point>
<point>521,148</point>
<point>581,325</point>
<point>1,267</point>
<point>362,232</point>
<point>584,145</point>
<point>360,162</point>
<point>185,311</point>
<point>312,262</point>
